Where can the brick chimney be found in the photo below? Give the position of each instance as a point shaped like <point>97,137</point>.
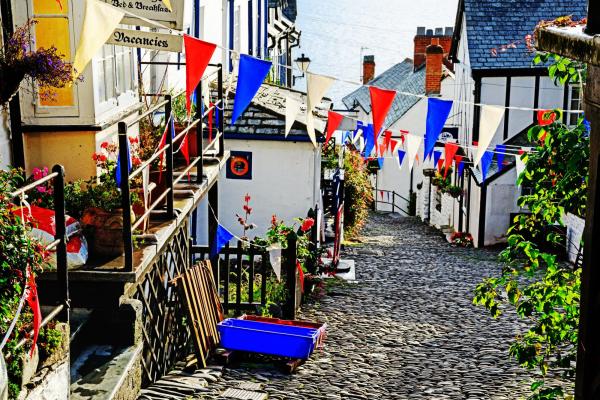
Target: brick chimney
<point>434,56</point>
<point>423,39</point>
<point>368,69</point>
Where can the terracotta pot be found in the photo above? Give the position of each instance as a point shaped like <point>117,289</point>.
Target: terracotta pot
<point>104,231</point>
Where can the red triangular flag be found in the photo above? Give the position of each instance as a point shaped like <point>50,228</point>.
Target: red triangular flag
<point>300,275</point>
<point>34,304</point>
<point>197,56</point>
<point>393,144</point>
<point>450,149</point>
<point>403,135</point>
<point>381,102</point>
<point>387,139</point>
<point>439,166</point>
<point>333,122</point>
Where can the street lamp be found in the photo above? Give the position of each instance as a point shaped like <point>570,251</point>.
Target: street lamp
<point>303,62</point>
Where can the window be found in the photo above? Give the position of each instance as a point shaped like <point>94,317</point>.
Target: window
<point>575,104</point>
<point>116,72</point>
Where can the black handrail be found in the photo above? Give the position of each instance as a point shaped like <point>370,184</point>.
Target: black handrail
<point>166,152</point>
<point>393,203</point>
<point>59,244</point>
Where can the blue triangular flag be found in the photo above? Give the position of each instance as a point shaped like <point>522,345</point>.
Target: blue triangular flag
<point>437,114</point>
<point>172,127</point>
<point>436,157</point>
<point>252,73</point>
<point>118,169</point>
<point>401,155</point>
<point>500,151</point>
<point>486,162</point>
<point>369,139</point>
<point>461,168</point>
<point>380,161</point>
<point>345,137</point>
<point>222,237</point>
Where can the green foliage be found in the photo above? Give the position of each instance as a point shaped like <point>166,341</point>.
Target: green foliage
<point>358,195</point>
<point>563,70</point>
<point>542,290</point>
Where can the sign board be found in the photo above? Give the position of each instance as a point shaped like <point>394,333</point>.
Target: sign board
<point>147,40</point>
<point>239,165</point>
<point>154,10</point>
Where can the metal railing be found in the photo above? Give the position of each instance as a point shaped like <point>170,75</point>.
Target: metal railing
<point>61,311</point>
<point>214,148</point>
<point>393,203</point>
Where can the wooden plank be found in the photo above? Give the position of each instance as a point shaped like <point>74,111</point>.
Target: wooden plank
<point>263,289</point>
<point>251,274</point>
<point>226,279</point>
<point>198,334</point>
<point>240,257</point>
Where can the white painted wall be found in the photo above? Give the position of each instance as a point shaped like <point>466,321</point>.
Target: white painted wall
<point>286,179</point>
<point>5,152</point>
<point>575,226</point>
<point>502,196</point>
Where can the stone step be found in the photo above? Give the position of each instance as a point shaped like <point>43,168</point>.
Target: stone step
<point>104,372</point>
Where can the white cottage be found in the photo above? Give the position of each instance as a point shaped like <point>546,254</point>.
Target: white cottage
<point>493,66</point>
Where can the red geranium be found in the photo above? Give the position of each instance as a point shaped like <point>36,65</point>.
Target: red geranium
<point>307,224</point>
<point>546,117</point>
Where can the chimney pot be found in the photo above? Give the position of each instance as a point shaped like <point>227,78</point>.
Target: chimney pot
<point>449,31</point>
<point>421,31</point>
<point>429,32</point>
<point>368,68</point>
<point>439,31</point>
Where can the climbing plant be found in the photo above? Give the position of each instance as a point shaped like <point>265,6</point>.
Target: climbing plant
<point>534,282</point>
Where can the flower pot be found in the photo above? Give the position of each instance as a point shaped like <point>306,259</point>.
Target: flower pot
<point>192,146</point>
<point>104,231</point>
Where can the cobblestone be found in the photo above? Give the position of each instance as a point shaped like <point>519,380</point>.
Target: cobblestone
<point>406,330</point>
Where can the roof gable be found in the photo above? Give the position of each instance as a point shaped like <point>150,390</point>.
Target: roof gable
<point>494,23</point>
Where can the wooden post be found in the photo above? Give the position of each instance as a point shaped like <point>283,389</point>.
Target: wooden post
<point>221,111</point>
<point>213,215</point>
<point>125,196</point>
<point>587,385</point>
<point>169,157</point>
<point>199,135</point>
<point>291,271</point>
<point>61,235</point>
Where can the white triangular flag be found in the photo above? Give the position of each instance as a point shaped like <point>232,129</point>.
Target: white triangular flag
<point>395,153</point>
<point>316,87</point>
<point>275,258</point>
<point>520,164</point>
<point>413,143</point>
<point>357,136</point>
<point>206,92</point>
<point>292,109</point>
<point>491,116</point>
<point>99,22</point>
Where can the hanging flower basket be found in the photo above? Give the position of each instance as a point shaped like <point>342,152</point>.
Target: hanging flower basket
<point>429,172</point>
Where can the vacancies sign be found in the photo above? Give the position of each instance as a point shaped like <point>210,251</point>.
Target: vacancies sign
<point>154,10</point>
<point>147,40</point>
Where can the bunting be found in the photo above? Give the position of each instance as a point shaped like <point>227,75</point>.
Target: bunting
<point>486,162</point>
<point>460,165</point>
<point>387,140</point>
<point>440,163</point>
<point>437,114</point>
<point>333,122</point>
<point>316,87</point>
<point>450,151</point>
<point>500,151</point>
<point>292,109</point>
<point>491,116</point>
<point>252,73</point>
<point>197,56</point>
<point>222,237</point>
<point>380,161</point>
<point>99,23</point>
<point>369,139</point>
<point>436,157</point>
<point>401,155</point>
<point>275,259</point>
<point>381,102</point>
<point>413,143</point>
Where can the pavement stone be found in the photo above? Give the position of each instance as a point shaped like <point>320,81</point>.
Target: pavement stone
<point>406,330</point>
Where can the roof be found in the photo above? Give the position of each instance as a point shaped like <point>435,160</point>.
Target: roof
<point>266,115</point>
<point>495,23</point>
<point>400,77</point>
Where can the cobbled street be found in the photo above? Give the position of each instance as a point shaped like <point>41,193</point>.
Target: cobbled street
<point>406,330</point>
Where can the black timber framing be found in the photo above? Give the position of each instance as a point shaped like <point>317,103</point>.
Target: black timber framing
<point>536,97</point>
<point>506,104</point>
<point>482,215</point>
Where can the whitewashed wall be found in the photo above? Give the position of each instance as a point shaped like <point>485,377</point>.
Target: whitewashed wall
<point>285,182</point>
<point>502,196</point>
<point>5,153</point>
<point>575,226</point>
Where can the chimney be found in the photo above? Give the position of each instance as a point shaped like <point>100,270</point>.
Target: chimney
<point>424,38</point>
<point>434,55</point>
<point>368,69</point>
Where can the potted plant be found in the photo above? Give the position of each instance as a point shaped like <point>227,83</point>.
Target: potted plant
<point>19,61</point>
